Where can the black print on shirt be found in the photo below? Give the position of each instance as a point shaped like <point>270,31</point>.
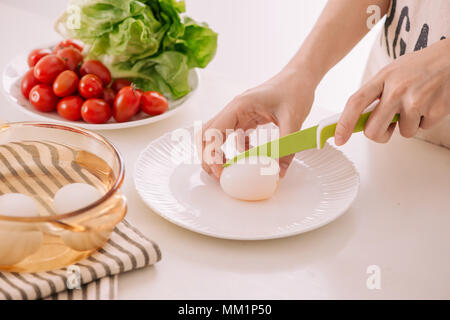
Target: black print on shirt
<point>403,15</point>
<point>388,22</point>
<point>422,41</point>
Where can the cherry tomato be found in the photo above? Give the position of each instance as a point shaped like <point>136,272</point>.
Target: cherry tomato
<point>28,82</point>
<point>65,84</point>
<point>119,84</point>
<point>48,68</point>
<point>72,57</point>
<point>97,68</point>
<point>154,103</point>
<point>67,44</point>
<point>95,111</point>
<point>43,98</point>
<point>126,104</point>
<point>70,108</point>
<point>37,55</point>
<point>108,95</point>
<point>90,86</point>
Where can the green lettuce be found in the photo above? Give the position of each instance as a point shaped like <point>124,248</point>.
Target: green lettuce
<point>146,41</point>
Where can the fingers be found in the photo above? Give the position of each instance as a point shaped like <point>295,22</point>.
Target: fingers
<point>287,124</point>
<point>214,134</point>
<point>355,106</point>
<point>242,140</point>
<point>434,114</point>
<point>386,136</point>
<point>409,123</point>
<point>379,126</point>
<point>427,123</point>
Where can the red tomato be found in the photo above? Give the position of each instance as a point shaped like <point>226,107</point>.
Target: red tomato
<point>48,68</point>
<point>97,68</point>
<point>154,103</point>
<point>65,84</point>
<point>72,57</point>
<point>28,82</point>
<point>36,55</point>
<point>70,108</point>
<point>119,84</point>
<point>95,111</point>
<point>108,95</point>
<point>90,86</point>
<point>43,98</point>
<point>67,44</point>
<point>126,104</point>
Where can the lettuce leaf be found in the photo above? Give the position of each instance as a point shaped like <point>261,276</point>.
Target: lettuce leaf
<point>147,41</point>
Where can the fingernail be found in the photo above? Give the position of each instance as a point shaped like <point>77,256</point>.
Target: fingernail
<point>284,165</point>
<point>338,139</point>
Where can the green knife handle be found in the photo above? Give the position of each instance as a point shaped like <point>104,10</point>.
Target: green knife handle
<point>327,127</point>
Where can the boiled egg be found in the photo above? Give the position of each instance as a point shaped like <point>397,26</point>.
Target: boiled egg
<point>251,179</point>
<point>75,196</point>
<point>18,240</point>
<point>18,205</point>
<point>86,240</point>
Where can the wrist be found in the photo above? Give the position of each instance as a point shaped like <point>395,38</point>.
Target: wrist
<point>304,73</point>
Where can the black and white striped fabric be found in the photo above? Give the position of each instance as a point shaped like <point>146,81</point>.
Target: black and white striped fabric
<point>126,250</point>
<point>102,289</point>
<point>22,170</point>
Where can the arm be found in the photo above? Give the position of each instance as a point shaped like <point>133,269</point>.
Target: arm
<point>286,99</point>
<point>342,24</point>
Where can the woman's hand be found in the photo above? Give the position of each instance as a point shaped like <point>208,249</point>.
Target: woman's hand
<point>284,100</point>
<point>287,98</point>
<point>416,86</point>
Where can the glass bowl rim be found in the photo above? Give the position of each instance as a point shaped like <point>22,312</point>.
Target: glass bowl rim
<point>77,130</point>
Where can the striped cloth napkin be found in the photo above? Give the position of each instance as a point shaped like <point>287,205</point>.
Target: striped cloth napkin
<point>40,169</point>
<point>126,250</point>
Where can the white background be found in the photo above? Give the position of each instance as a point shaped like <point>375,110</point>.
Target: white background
<point>400,220</point>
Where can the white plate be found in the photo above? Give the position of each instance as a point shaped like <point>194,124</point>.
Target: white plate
<point>12,76</point>
<point>319,187</point>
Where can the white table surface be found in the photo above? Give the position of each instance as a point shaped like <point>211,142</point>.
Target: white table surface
<point>400,220</point>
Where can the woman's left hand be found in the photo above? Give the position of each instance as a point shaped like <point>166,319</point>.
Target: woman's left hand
<point>416,86</point>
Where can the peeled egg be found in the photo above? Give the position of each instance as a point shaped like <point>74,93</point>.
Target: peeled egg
<point>251,179</point>
<point>18,240</point>
<point>75,196</point>
<point>87,240</point>
<point>18,205</point>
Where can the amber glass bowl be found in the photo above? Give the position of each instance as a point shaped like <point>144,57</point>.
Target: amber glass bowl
<point>38,159</point>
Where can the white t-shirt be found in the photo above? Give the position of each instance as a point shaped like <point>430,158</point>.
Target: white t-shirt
<point>412,25</point>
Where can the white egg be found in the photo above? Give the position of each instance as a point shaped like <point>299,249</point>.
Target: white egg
<point>18,240</point>
<point>18,205</point>
<point>251,179</point>
<point>83,241</point>
<point>75,196</point>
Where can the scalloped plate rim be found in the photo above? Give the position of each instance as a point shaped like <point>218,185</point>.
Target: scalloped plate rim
<point>286,234</point>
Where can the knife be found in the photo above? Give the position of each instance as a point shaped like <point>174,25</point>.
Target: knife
<point>314,137</point>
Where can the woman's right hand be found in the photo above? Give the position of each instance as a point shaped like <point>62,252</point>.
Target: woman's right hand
<point>285,100</point>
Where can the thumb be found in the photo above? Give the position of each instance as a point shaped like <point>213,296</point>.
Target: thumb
<point>287,125</point>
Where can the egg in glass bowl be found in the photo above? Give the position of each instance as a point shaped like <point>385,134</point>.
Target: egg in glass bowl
<point>60,195</point>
